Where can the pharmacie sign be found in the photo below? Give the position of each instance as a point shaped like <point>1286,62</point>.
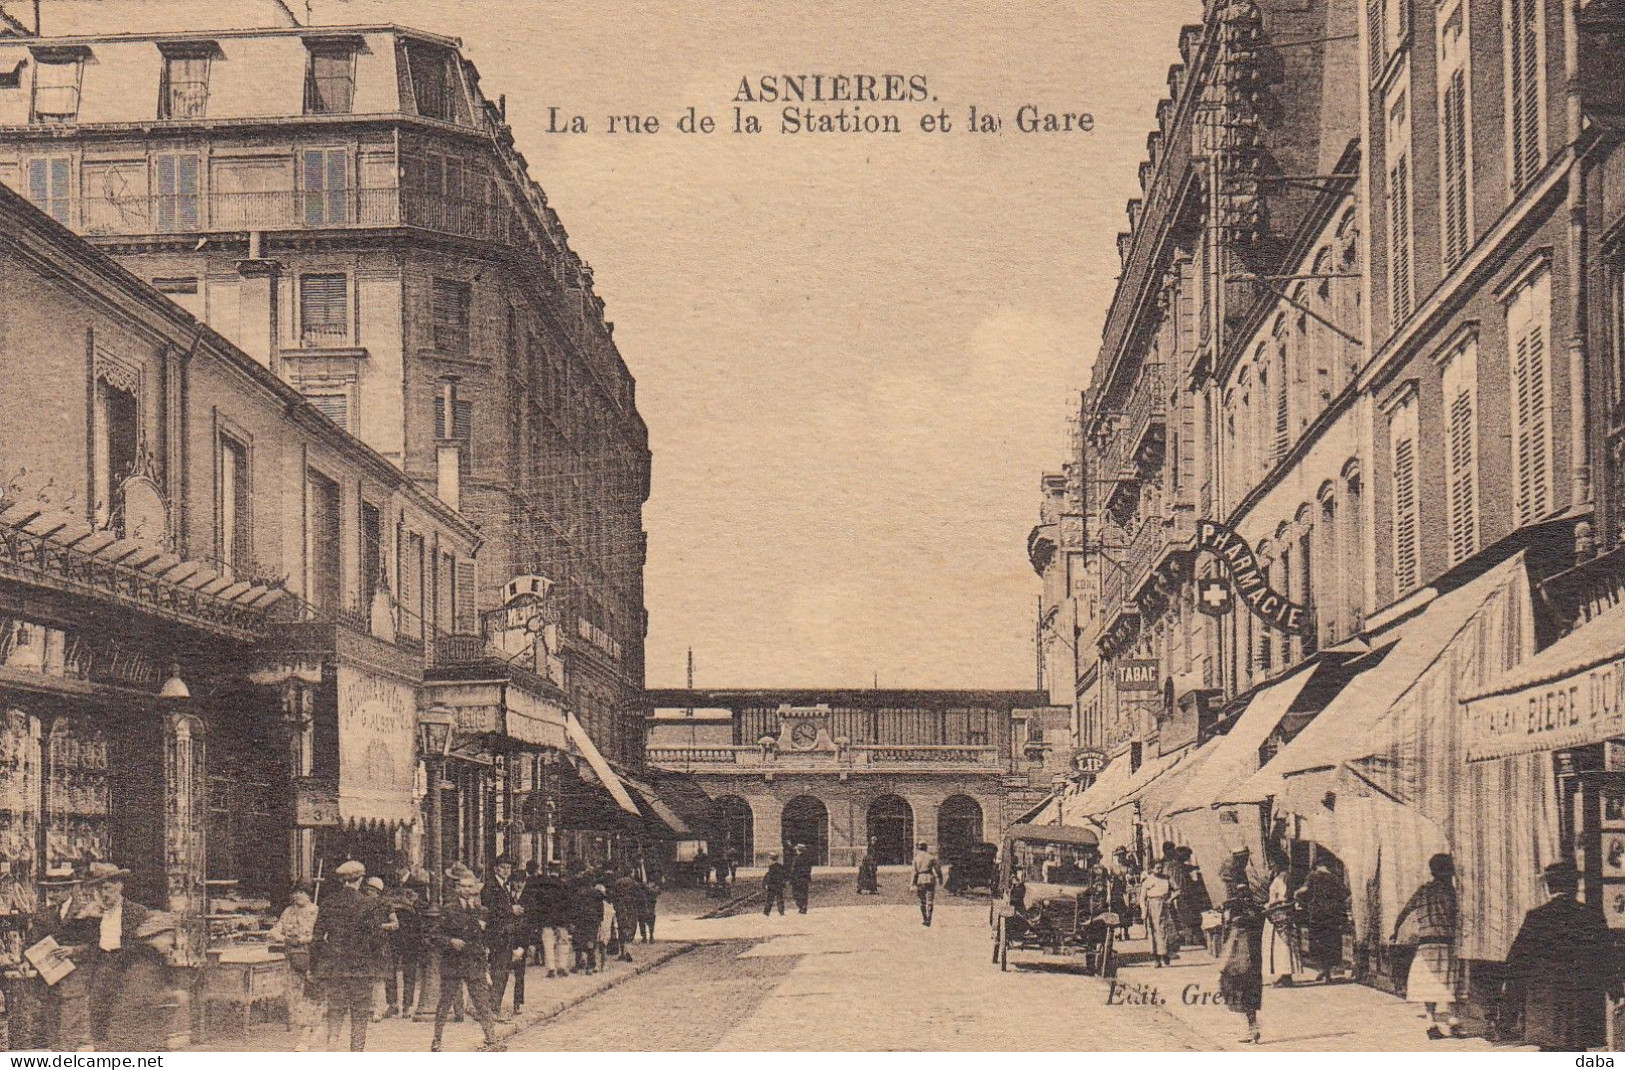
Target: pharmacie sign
<point>1249,581</point>
<point>1582,708</point>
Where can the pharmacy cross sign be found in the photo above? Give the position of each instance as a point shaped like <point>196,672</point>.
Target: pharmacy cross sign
<point>1249,582</point>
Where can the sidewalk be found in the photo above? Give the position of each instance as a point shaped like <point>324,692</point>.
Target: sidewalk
<point>1341,1016</point>
<point>544,997</point>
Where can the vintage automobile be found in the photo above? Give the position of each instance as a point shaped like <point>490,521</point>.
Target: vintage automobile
<point>1053,896</point>
<point>976,867</point>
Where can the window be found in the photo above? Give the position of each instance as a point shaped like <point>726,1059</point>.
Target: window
<point>232,505</point>
<point>185,90</point>
<point>465,605</point>
<point>1455,162</point>
<point>323,310</point>
<point>1525,82</point>
<point>324,186</point>
<point>1528,327</point>
<point>443,574</point>
<point>330,80</point>
<point>453,422</point>
<point>1283,407</point>
<point>50,185</point>
<point>412,587</point>
<point>451,313</point>
<point>324,541</point>
<point>1388,28</point>
<point>177,177</point>
<point>1399,209</point>
<point>1329,609</point>
<point>56,87</point>
<point>431,81</point>
<point>333,405</point>
<point>372,554</point>
<point>183,290</point>
<point>1407,504</point>
<point>1461,450</point>
<point>118,438</point>
<point>1353,544</point>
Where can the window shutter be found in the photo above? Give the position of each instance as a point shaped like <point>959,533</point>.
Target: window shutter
<point>1454,149</point>
<point>1463,468</point>
<point>323,309</point>
<point>1399,238</point>
<point>451,307</point>
<point>1405,520</point>
<point>1524,106</point>
<point>1377,35</point>
<point>1282,412</point>
<point>335,407</point>
<point>466,609</point>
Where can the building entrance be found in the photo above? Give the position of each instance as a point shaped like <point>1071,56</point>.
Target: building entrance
<point>806,820</point>
<point>891,830</point>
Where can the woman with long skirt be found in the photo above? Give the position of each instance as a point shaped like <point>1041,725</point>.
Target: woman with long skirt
<point>1241,976</point>
<point>1160,926</point>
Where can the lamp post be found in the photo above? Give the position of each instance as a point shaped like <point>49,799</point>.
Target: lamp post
<point>435,726</point>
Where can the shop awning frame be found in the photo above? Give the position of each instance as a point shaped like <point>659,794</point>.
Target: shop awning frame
<point>599,765</point>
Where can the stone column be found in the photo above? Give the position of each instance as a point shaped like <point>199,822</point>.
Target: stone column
<point>768,829</point>
<point>185,821</point>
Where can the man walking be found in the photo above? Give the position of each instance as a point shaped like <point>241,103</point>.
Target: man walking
<point>773,882</point>
<point>460,936</point>
<point>550,908</point>
<point>801,868</point>
<point>504,918</point>
<point>927,875</point>
<point>349,952</point>
<point>1559,968</point>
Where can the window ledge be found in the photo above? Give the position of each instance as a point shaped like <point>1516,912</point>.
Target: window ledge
<point>313,352</point>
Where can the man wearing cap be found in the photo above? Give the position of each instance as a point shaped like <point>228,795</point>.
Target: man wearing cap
<point>801,867</point>
<point>349,952</point>
<point>460,935</point>
<point>1560,969</point>
<point>504,916</point>
<point>927,875</point>
<point>773,882</point>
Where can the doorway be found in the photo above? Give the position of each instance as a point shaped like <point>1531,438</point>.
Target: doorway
<point>806,820</point>
<point>891,830</point>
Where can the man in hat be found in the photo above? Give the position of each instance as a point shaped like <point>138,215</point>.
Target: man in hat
<point>1560,967</point>
<point>104,940</point>
<point>504,917</point>
<point>927,875</point>
<point>139,1014</point>
<point>801,867</point>
<point>773,882</point>
<point>349,949</point>
<point>460,935</point>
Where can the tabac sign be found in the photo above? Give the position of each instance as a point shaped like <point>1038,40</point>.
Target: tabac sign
<point>1248,580</point>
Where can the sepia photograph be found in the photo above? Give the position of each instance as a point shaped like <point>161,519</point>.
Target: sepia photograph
<point>649,526</point>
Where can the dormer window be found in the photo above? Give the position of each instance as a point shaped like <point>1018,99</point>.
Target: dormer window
<point>330,78</point>
<point>184,92</point>
<point>57,74</point>
<point>431,81</point>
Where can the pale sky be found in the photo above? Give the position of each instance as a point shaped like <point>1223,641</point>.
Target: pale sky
<point>855,354</point>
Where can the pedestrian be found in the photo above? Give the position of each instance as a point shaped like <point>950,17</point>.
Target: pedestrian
<point>724,870</point>
<point>1159,915</point>
<point>348,949</point>
<point>1325,914</point>
<point>1241,976</point>
<point>1193,900</point>
<point>119,922</point>
<point>869,872</point>
<point>773,882</point>
<point>373,888</point>
<point>1280,954</point>
<point>460,935</point>
<point>801,868</point>
<point>648,906</point>
<point>606,925</point>
<point>627,894</point>
<point>550,905</point>
<point>143,996</point>
<point>586,915</point>
<point>1428,923</point>
<point>504,916</point>
<point>294,930</point>
<point>927,875</point>
<point>409,901</point>
<point>1560,968</point>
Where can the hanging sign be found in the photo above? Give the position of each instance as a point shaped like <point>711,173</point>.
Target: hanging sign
<point>1139,674</point>
<point>1248,580</point>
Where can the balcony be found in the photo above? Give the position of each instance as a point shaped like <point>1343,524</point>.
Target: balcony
<point>193,213</point>
<point>857,758</point>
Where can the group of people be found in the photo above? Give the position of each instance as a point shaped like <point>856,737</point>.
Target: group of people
<point>1172,900</point>
<point>365,933</point>
<point>797,876</point>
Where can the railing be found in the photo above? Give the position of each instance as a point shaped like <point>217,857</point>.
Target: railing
<point>931,754</point>
<point>186,100</point>
<point>1145,407</point>
<point>695,755</point>
<point>1114,584</point>
<point>853,758</point>
<point>188,213</point>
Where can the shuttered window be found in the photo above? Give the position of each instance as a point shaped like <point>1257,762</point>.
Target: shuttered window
<point>177,176</point>
<point>324,186</point>
<point>1525,69</point>
<point>323,310</point>
<point>412,587</point>
<point>1376,18</point>
<point>1461,451</point>
<point>1407,505</point>
<point>451,311</point>
<point>56,89</point>
<point>50,186</point>
<point>1453,162</point>
<point>1528,329</point>
<point>335,407</point>
<point>465,606</point>
<point>330,80</point>
<point>1283,408</point>
<point>1399,210</point>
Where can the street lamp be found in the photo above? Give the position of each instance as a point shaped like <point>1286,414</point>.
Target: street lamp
<point>435,726</point>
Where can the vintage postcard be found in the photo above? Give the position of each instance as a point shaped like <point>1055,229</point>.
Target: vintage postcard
<point>662,526</point>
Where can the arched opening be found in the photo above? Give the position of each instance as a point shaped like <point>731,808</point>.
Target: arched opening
<point>891,830</point>
<point>735,828</point>
<point>959,827</point>
<point>806,821</point>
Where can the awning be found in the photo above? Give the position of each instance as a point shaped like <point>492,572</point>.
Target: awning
<point>600,767</point>
<point>654,809</point>
<point>377,722</point>
<point>1569,695</point>
<point>1096,798</point>
<point>1233,756</point>
<point>1339,733</point>
<point>1149,771</point>
<point>1047,812</point>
